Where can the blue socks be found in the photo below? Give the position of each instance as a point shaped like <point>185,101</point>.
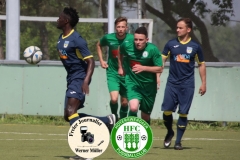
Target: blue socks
<point>73,118</point>
<point>181,127</point>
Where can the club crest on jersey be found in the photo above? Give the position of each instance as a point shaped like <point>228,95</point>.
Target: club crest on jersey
<point>145,54</point>
<point>189,50</point>
<point>65,45</point>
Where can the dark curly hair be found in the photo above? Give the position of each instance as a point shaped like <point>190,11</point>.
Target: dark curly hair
<point>72,14</point>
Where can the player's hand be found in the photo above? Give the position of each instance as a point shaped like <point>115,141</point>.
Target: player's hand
<point>137,68</point>
<point>85,88</point>
<point>104,65</point>
<point>158,82</point>
<point>202,89</point>
<point>121,72</point>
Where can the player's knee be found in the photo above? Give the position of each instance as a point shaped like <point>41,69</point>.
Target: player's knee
<point>114,101</point>
<point>146,117</point>
<point>167,113</point>
<point>69,110</point>
<point>133,109</point>
<point>124,103</point>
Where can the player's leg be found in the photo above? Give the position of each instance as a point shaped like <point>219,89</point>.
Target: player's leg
<point>124,101</point>
<point>113,87</point>
<point>124,107</point>
<point>70,111</point>
<point>133,107</point>
<point>114,102</point>
<point>168,106</point>
<point>185,96</point>
<point>147,104</point>
<point>134,98</point>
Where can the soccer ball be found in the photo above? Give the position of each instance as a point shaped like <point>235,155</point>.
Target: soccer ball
<point>144,137</point>
<point>119,137</point>
<point>32,55</point>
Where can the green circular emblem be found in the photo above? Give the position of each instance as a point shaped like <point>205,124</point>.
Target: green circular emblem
<point>131,137</point>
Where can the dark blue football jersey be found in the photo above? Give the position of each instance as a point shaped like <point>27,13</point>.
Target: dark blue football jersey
<point>182,61</point>
<point>73,50</point>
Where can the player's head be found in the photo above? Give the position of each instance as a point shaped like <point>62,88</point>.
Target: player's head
<point>184,27</point>
<point>141,38</point>
<point>68,16</point>
<point>121,26</point>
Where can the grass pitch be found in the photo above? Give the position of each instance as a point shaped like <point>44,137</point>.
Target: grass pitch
<point>49,142</point>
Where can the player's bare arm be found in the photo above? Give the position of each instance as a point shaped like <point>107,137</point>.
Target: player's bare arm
<point>91,65</point>
<point>202,72</point>
<point>120,62</point>
<point>99,51</point>
<point>140,68</point>
<point>158,80</point>
<point>164,59</point>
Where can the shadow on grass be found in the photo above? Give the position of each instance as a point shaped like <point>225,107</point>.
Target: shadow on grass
<point>67,157</point>
<point>64,157</point>
<point>173,148</point>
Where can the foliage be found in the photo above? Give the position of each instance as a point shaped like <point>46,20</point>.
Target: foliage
<point>170,11</point>
<point>58,120</point>
<point>202,125</point>
<point>32,119</point>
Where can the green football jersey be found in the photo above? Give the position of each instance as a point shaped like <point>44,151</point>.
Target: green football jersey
<point>149,56</point>
<point>113,43</point>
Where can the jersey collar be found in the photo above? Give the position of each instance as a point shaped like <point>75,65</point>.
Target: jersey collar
<point>184,42</point>
<point>63,37</point>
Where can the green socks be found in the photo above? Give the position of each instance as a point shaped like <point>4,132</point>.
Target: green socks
<point>114,109</point>
<point>123,111</point>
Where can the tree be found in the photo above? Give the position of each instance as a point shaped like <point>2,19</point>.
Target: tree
<point>2,23</point>
<point>171,10</point>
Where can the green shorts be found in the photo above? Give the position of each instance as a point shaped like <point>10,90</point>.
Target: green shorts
<point>146,95</point>
<point>116,82</point>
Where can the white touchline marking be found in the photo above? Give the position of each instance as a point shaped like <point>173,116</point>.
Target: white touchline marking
<point>50,134</point>
<point>33,139</point>
<point>199,139</point>
<point>154,138</point>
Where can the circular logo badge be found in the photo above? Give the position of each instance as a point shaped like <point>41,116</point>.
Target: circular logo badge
<point>145,54</point>
<point>88,137</point>
<point>131,137</point>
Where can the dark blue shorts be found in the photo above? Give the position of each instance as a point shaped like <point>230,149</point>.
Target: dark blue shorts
<point>74,90</point>
<point>177,97</point>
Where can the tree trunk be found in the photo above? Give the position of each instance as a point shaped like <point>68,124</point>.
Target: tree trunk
<point>1,44</point>
<point>105,15</point>
<point>168,18</point>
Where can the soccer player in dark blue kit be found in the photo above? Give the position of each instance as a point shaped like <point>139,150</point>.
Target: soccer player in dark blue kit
<point>182,51</point>
<point>79,64</point>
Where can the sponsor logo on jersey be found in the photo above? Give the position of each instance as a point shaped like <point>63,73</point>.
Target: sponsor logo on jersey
<point>62,54</point>
<point>189,50</point>
<point>176,46</point>
<point>65,45</point>
<point>112,43</point>
<point>145,54</point>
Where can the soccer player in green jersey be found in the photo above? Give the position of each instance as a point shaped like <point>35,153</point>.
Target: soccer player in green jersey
<point>144,61</point>
<point>116,83</point>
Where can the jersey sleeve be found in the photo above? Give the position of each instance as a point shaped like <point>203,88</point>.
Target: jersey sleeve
<point>103,41</point>
<point>199,56</point>
<point>82,48</point>
<point>166,50</point>
<point>157,57</point>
